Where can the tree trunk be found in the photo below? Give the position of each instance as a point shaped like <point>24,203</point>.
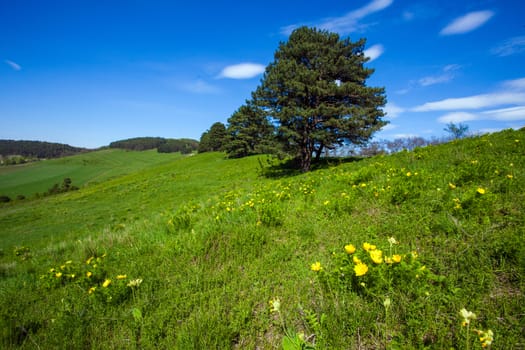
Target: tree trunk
<point>318,152</point>
<point>306,154</point>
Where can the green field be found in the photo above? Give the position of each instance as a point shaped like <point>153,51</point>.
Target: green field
<point>83,169</point>
<point>203,252</point>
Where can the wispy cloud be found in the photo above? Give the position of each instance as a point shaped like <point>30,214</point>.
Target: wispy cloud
<point>13,65</point>
<point>457,117</point>
<point>242,71</point>
<point>510,114</point>
<point>515,84</point>
<point>199,86</point>
<point>467,23</point>
<point>447,74</point>
<point>392,110</point>
<point>347,23</point>
<point>374,52</point>
<point>510,47</point>
<point>506,114</point>
<point>473,102</point>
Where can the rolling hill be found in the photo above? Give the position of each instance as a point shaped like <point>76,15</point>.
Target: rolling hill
<point>204,252</point>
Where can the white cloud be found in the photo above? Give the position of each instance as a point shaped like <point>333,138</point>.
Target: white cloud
<point>473,102</point>
<point>516,84</point>
<point>446,75</point>
<point>457,117</point>
<point>13,65</point>
<point>392,110</point>
<point>437,79</point>
<point>506,114</point>
<point>510,114</point>
<point>347,23</point>
<point>389,127</point>
<point>374,52</point>
<point>511,46</point>
<point>242,71</point>
<point>467,23</point>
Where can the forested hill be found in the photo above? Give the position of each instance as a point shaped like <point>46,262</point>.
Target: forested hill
<point>162,145</point>
<point>37,149</point>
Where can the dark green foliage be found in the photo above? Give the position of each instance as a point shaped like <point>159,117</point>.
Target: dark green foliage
<point>249,132</point>
<point>138,143</point>
<point>213,139</point>
<point>184,146</point>
<point>316,92</point>
<point>37,149</point>
<point>65,187</point>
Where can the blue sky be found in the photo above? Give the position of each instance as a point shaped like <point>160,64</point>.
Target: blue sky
<point>89,72</point>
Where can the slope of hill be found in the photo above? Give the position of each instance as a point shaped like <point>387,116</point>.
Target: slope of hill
<point>82,169</point>
<point>205,253</point>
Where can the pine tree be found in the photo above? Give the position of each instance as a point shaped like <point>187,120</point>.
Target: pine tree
<point>249,132</point>
<point>316,92</point>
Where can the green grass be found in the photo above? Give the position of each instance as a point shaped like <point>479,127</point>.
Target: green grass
<point>216,245</point>
<point>84,169</point>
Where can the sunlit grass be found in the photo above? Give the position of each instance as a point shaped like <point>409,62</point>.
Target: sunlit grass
<point>377,253</point>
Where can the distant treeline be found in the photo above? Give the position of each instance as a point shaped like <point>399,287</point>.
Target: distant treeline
<point>162,145</point>
<point>37,149</point>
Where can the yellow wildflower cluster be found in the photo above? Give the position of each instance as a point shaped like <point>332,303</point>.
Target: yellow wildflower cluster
<point>316,266</point>
<point>485,337</point>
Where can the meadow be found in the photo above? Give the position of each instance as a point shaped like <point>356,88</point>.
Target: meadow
<point>83,169</point>
<point>415,250</point>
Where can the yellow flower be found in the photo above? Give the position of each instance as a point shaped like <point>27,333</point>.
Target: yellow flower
<point>451,186</point>
<point>409,174</point>
<point>88,261</point>
<point>350,249</point>
<point>58,274</point>
<point>89,274</point>
<point>396,258</point>
<point>388,260</point>
<point>275,305</point>
<point>122,277</point>
<point>316,266</point>
<point>486,338</point>
<point>481,190</point>
<point>360,269</point>
<point>367,246</point>
<point>510,177</point>
<point>106,283</point>
<point>356,260</point>
<point>376,256</point>
<point>92,290</point>
<point>467,316</point>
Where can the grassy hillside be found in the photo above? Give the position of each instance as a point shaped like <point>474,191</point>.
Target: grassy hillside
<point>205,253</point>
<point>83,169</point>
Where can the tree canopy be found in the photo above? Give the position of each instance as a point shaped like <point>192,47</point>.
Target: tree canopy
<point>316,94</point>
<point>213,139</point>
<point>162,145</point>
<point>249,132</point>
<point>37,149</point>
